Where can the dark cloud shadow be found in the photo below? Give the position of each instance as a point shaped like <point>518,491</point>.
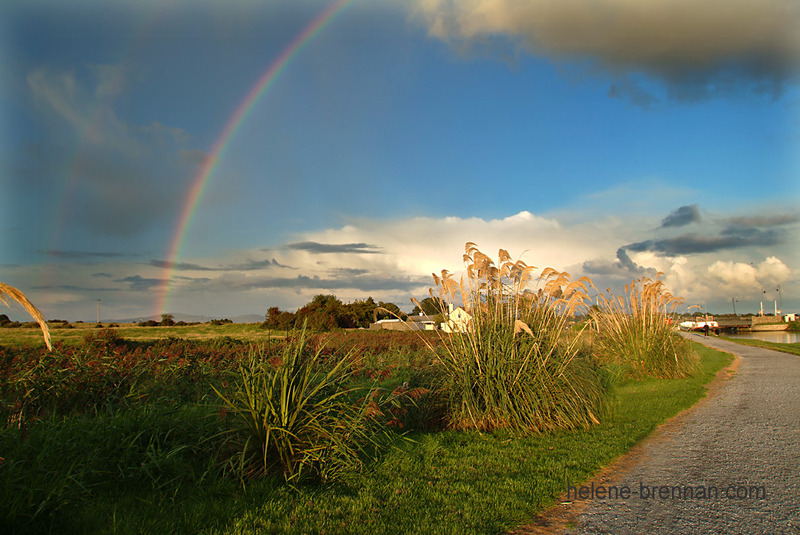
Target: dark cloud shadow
<point>325,248</point>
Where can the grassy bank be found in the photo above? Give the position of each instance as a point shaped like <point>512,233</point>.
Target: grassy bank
<point>786,348</point>
<point>152,469</point>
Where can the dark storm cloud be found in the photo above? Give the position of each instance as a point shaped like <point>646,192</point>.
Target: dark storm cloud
<point>324,248</point>
<point>698,49</point>
<point>684,215</point>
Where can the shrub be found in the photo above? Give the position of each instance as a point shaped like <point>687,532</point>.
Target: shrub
<point>634,331</point>
<point>516,365</point>
<point>293,417</point>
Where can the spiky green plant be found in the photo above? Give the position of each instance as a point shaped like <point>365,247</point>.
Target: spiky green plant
<point>634,331</point>
<point>514,364</point>
<point>293,417</point>
<point>9,292</point>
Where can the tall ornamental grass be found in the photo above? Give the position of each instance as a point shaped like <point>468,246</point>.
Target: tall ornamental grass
<point>634,331</point>
<point>514,364</point>
<point>9,293</point>
<point>293,416</point>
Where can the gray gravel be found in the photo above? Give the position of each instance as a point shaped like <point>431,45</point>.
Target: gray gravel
<point>747,435</point>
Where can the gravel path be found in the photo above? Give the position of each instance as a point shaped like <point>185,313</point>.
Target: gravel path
<point>744,440</point>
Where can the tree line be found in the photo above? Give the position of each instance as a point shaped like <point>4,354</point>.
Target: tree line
<point>325,312</point>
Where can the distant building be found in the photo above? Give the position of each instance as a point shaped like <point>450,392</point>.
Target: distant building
<point>458,320</point>
<point>413,323</point>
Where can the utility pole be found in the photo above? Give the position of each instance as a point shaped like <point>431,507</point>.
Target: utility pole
<point>733,302</point>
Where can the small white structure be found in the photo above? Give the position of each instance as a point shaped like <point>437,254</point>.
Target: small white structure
<point>790,317</point>
<point>413,323</point>
<point>458,320</point>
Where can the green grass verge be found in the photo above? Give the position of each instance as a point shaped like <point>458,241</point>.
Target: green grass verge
<point>151,472</point>
<point>786,348</point>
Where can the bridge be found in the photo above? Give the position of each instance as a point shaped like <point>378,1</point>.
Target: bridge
<point>751,323</point>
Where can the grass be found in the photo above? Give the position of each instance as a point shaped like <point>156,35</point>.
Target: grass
<point>76,332</point>
<point>153,470</point>
<point>794,348</point>
<point>293,416</point>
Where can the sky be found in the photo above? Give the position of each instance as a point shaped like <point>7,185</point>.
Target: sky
<point>219,158</point>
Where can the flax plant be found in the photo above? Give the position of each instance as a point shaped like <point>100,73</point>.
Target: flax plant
<point>293,417</point>
<point>10,293</point>
<point>634,331</point>
<point>514,365</point>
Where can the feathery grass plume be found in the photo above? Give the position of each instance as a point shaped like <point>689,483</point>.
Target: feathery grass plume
<point>635,331</point>
<point>9,292</point>
<point>295,417</point>
<point>515,365</point>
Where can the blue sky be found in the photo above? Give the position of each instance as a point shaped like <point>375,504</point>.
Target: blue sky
<point>609,139</point>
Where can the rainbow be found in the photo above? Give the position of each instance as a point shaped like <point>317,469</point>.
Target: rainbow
<point>203,177</point>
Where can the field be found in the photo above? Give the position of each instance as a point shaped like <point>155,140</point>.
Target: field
<point>120,431</point>
<point>74,333</point>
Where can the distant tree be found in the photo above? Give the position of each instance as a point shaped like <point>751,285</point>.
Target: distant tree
<point>360,313</point>
<point>4,319</point>
<point>430,307</point>
<point>167,320</point>
<point>323,313</point>
<point>279,319</point>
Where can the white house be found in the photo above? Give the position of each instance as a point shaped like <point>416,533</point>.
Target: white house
<point>458,320</point>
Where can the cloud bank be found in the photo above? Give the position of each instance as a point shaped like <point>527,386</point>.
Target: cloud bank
<point>392,260</point>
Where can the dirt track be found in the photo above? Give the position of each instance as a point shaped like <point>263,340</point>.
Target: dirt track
<point>740,448</point>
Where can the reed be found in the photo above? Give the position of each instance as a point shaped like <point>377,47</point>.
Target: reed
<point>634,331</point>
<point>10,293</point>
<point>514,364</point>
